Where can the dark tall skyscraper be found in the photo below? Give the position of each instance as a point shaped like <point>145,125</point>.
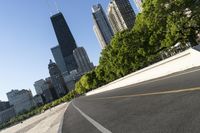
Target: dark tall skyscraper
<point>65,39</point>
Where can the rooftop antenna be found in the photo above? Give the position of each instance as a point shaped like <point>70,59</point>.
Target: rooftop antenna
<point>49,6</point>
<point>56,5</point>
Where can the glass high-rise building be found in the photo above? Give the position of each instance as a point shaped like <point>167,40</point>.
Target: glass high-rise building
<point>101,27</point>
<point>121,15</point>
<point>66,41</point>
<point>82,60</point>
<point>59,59</point>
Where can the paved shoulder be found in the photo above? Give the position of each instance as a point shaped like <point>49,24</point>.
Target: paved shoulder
<point>47,122</point>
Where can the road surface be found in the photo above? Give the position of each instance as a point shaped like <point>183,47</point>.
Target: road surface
<point>166,105</point>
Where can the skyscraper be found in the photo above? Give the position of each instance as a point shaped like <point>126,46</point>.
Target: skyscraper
<point>121,15</point>
<point>65,39</point>
<point>138,3</point>
<point>101,27</point>
<point>43,88</point>
<point>57,79</point>
<point>58,57</point>
<point>82,60</point>
<point>39,86</point>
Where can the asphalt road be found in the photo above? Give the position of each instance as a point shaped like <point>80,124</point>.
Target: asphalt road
<point>166,105</point>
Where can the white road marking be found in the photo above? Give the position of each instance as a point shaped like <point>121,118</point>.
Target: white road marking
<point>151,94</point>
<point>93,122</point>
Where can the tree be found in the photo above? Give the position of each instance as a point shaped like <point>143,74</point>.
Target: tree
<point>79,87</point>
<point>161,25</point>
<point>183,22</point>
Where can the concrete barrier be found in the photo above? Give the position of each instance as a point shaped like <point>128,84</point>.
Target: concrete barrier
<point>182,61</point>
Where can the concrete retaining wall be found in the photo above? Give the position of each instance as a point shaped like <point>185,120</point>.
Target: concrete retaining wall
<point>182,61</point>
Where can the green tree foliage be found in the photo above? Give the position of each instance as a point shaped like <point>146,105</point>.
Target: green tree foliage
<point>87,82</point>
<point>183,22</point>
<point>161,25</point>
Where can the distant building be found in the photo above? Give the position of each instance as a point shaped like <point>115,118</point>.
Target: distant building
<point>7,114</point>
<point>58,57</point>
<point>46,89</point>
<point>121,15</point>
<point>4,105</point>
<point>21,100</point>
<point>138,3</point>
<point>38,100</point>
<point>48,96</point>
<point>82,60</point>
<point>101,26</point>
<point>57,79</point>
<point>71,79</point>
<point>49,85</point>
<point>70,83</point>
<point>66,43</point>
<point>39,86</point>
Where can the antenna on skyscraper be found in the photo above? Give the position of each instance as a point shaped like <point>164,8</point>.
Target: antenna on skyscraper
<point>52,6</point>
<point>50,12</point>
<point>56,5</point>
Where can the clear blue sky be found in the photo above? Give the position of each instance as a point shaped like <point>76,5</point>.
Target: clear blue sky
<point>26,36</point>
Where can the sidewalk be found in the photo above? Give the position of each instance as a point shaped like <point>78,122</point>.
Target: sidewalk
<point>47,122</point>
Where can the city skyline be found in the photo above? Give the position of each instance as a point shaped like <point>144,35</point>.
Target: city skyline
<point>145,75</point>
<point>27,36</point>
